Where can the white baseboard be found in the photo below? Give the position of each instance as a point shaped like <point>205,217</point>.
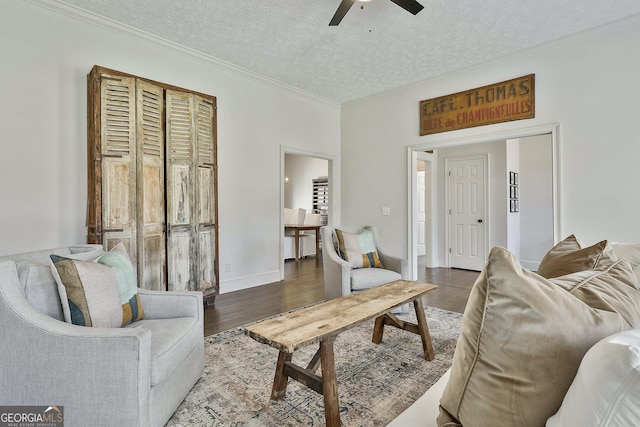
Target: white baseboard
<point>249,281</point>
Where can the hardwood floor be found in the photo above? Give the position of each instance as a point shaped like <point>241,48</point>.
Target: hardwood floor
<point>303,285</point>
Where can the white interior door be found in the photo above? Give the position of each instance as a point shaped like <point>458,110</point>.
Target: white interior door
<point>467,213</point>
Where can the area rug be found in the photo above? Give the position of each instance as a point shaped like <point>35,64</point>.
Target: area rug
<point>375,382</point>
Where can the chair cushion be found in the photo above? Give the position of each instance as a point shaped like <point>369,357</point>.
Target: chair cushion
<point>358,249</point>
<point>171,342</point>
<point>100,293</point>
<point>365,278</point>
<point>569,256</point>
<point>523,336</point>
<point>606,390</point>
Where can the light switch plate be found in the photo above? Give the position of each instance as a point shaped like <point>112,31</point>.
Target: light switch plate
<point>386,210</point>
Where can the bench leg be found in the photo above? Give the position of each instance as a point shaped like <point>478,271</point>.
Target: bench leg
<point>329,383</point>
<point>280,380</point>
<point>423,330</point>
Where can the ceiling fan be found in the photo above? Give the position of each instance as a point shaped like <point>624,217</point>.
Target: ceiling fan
<point>411,6</point>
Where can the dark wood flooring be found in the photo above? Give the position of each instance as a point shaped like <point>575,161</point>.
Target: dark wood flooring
<point>303,285</point>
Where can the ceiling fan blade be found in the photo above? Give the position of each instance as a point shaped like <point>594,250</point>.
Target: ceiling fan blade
<point>342,10</point>
<point>411,6</point>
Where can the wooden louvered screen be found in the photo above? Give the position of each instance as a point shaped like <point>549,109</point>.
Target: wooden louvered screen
<point>151,186</point>
<point>118,162</point>
<point>153,179</point>
<point>180,191</point>
<point>205,191</point>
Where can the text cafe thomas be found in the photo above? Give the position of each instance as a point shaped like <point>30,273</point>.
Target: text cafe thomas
<point>500,102</point>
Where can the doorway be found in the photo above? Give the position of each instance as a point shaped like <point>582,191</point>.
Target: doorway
<point>497,210</point>
<point>298,170</point>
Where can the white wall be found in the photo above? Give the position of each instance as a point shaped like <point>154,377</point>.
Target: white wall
<point>301,171</point>
<point>46,56</point>
<point>586,83</point>
<point>536,199</point>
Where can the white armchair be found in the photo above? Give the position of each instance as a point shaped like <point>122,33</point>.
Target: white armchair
<point>340,278</point>
<point>132,376</point>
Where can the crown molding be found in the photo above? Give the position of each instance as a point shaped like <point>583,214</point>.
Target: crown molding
<point>129,31</point>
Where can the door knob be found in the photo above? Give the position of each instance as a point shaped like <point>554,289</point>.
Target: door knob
<point>479,220</point>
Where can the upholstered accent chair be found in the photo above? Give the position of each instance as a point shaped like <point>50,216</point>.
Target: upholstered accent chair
<point>103,376</point>
<point>340,276</point>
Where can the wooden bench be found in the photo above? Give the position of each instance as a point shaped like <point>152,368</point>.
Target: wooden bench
<point>321,323</point>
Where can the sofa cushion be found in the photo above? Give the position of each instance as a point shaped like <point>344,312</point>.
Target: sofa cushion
<point>606,389</point>
<point>569,256</point>
<point>522,338</point>
<point>358,249</point>
<point>365,278</point>
<point>171,342</point>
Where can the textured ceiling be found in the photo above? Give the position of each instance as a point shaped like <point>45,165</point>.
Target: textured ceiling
<point>374,49</point>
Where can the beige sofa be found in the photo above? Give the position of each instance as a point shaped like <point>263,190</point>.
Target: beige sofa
<point>123,376</point>
<point>561,350</point>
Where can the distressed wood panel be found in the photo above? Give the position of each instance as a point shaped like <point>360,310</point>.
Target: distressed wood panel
<point>206,257</point>
<point>150,186</point>
<point>179,272</point>
<point>205,194</point>
<point>117,151</point>
<point>154,263</point>
<point>180,192</point>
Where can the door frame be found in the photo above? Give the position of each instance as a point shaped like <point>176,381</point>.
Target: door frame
<point>442,141</point>
<point>447,201</point>
<point>333,172</point>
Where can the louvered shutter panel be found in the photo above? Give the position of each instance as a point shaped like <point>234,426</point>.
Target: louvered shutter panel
<point>118,156</point>
<point>152,179</point>
<point>180,152</point>
<point>151,186</point>
<point>205,193</point>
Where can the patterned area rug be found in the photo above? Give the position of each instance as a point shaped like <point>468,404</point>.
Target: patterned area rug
<point>375,382</point>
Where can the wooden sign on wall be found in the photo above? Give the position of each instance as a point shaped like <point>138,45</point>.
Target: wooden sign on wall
<point>500,102</point>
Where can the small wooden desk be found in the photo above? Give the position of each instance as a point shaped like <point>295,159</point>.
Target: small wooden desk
<point>296,228</point>
<point>321,323</point>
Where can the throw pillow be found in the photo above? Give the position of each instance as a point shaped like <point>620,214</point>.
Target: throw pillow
<point>102,293</point>
<point>569,256</point>
<point>630,251</point>
<point>88,292</point>
<point>358,249</point>
<point>606,390</point>
<point>118,259</point>
<point>521,341</point>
